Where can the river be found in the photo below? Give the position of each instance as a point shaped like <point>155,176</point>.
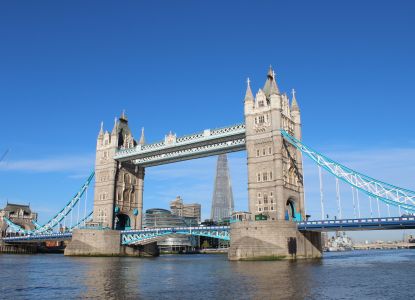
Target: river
<point>377,274</point>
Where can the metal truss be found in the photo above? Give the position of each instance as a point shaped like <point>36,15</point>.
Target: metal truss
<point>206,143</point>
<point>137,237</point>
<point>383,191</point>
<point>48,226</point>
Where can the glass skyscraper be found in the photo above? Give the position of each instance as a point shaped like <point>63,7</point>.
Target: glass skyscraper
<point>222,199</point>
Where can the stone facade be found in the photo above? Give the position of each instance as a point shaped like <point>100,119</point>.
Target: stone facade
<point>272,239</point>
<point>118,195</point>
<point>19,214</point>
<point>92,242</point>
<point>275,180</point>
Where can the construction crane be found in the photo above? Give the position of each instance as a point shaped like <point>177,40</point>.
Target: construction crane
<point>4,155</point>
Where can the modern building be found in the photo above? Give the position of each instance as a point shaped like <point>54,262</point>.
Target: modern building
<point>162,218</point>
<point>191,210</point>
<point>222,199</point>
<point>19,214</point>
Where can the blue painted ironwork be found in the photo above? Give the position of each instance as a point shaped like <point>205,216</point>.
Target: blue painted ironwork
<point>39,237</point>
<point>383,191</point>
<point>49,225</point>
<point>206,143</point>
<point>133,237</point>
<point>358,224</point>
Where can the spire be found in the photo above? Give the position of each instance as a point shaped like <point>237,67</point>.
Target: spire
<point>271,86</point>
<point>294,104</point>
<point>142,140</point>
<point>274,86</point>
<point>248,95</point>
<point>123,116</point>
<point>101,131</point>
<point>114,129</point>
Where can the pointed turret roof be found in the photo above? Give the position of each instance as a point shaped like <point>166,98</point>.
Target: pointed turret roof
<point>115,128</point>
<point>270,86</point>
<point>101,131</point>
<point>294,104</point>
<point>142,139</point>
<point>123,116</point>
<point>248,95</point>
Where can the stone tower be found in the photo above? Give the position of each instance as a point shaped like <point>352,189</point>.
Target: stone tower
<point>275,180</point>
<point>222,199</point>
<point>118,195</point>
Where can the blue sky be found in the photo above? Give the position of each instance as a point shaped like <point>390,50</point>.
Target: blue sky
<point>182,66</point>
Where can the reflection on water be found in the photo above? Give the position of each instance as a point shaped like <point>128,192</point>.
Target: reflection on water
<point>367,275</point>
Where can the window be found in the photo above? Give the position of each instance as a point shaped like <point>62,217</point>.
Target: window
<point>263,151</point>
<point>269,150</point>
<point>257,153</point>
<point>272,207</point>
<point>270,175</point>
<point>266,208</point>
<point>259,177</point>
<point>259,194</point>
<point>260,209</point>
<point>261,119</point>
<point>261,103</point>
<point>265,199</point>
<point>259,202</point>
<point>265,176</point>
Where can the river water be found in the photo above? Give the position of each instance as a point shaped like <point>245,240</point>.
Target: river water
<point>378,274</point>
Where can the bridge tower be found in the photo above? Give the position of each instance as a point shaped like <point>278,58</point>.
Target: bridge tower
<point>275,180</point>
<point>118,195</point>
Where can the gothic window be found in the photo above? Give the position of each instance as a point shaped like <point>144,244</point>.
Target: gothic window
<point>261,119</point>
<point>256,120</point>
<point>261,103</point>
<point>264,176</point>
<point>127,179</point>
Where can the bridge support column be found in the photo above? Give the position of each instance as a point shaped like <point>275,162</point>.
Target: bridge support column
<point>272,240</point>
<point>140,193</point>
<point>93,242</point>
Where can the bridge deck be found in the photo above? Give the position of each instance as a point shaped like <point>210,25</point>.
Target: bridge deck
<point>388,223</point>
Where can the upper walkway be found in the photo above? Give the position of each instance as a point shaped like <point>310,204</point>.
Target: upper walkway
<point>172,149</point>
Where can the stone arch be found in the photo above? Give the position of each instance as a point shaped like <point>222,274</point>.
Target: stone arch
<point>291,213</point>
<point>122,222</point>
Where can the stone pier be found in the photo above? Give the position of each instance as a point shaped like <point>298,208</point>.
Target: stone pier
<point>269,240</point>
<point>93,242</point>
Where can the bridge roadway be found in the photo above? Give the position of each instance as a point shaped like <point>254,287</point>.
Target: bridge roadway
<point>130,237</point>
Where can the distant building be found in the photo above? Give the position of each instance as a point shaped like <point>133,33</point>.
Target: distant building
<point>162,218</point>
<point>19,214</point>
<point>222,199</point>
<point>191,210</point>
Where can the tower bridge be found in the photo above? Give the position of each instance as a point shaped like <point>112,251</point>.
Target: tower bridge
<point>271,137</point>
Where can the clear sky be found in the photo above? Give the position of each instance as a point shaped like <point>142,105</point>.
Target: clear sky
<point>182,66</point>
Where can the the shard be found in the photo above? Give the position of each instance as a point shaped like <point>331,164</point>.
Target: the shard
<point>222,199</point>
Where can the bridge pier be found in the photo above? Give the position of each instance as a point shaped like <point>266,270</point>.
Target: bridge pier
<point>271,240</point>
<point>93,242</point>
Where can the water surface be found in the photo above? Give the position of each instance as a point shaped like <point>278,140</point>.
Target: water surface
<point>378,274</point>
